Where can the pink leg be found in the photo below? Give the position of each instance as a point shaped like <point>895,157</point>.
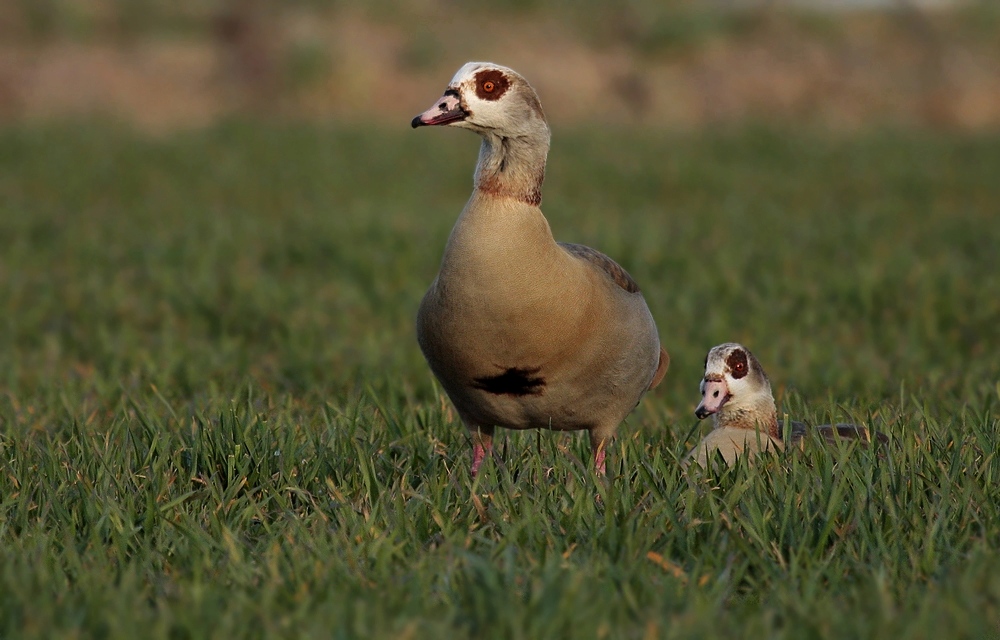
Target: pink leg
<point>482,445</point>
<point>599,447</point>
<point>599,461</point>
<point>478,455</point>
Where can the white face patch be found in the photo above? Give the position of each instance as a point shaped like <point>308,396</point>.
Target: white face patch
<point>495,99</point>
<point>467,71</point>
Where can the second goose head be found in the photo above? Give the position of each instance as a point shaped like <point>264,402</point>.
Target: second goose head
<point>735,390</point>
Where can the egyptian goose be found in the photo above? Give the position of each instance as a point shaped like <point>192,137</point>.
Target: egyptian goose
<point>737,394</point>
<point>522,331</point>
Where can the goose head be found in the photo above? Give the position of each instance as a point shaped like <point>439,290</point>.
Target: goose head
<point>488,99</point>
<point>735,390</point>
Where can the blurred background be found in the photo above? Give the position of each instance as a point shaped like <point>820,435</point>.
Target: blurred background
<point>198,197</point>
<point>162,65</point>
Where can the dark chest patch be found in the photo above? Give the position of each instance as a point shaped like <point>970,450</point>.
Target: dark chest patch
<point>491,84</point>
<point>737,363</point>
<point>609,266</point>
<point>513,382</point>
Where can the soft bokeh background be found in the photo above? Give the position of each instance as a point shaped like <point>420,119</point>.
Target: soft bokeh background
<point>164,65</point>
<point>689,137</point>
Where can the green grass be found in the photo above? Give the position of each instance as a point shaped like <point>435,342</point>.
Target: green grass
<point>215,421</point>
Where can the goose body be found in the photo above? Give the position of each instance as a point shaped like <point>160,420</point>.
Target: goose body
<point>736,392</point>
<point>521,331</point>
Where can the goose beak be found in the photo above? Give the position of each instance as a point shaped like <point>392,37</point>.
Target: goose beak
<point>445,111</point>
<point>714,394</point>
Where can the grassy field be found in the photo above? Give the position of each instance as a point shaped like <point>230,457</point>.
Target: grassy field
<point>215,421</point>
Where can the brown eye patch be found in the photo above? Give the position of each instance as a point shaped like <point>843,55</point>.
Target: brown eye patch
<point>737,363</point>
<point>491,84</point>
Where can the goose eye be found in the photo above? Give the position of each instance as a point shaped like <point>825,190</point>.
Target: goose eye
<point>488,86</point>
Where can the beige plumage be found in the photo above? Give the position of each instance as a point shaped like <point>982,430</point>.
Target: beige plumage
<point>524,332</point>
<point>737,394</point>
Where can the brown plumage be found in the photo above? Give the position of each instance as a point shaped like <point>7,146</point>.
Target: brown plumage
<point>524,332</point>
<point>736,392</point>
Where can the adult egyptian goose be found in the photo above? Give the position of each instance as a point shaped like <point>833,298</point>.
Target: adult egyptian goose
<point>524,332</point>
<point>737,394</point>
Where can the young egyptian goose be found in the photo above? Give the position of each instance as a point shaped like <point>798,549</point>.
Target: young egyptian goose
<point>521,331</point>
<point>737,394</point>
